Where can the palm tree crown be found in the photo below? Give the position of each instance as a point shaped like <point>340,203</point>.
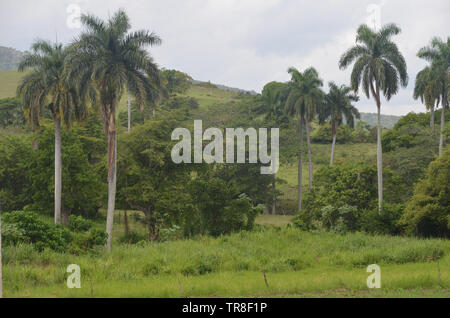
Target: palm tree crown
<point>46,85</point>
<point>378,61</point>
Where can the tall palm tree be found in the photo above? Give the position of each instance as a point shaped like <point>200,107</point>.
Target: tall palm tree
<point>46,86</point>
<point>379,69</point>
<point>114,59</point>
<point>438,54</point>
<point>303,100</point>
<point>273,97</point>
<point>337,106</point>
<point>427,89</point>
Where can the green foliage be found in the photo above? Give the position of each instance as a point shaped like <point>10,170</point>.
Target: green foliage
<point>79,224</point>
<point>177,102</point>
<point>28,227</point>
<point>341,193</point>
<point>427,213</point>
<point>33,230</point>
<point>16,160</point>
<point>385,222</point>
<point>82,174</point>
<point>137,117</point>
<point>220,210</point>
<point>11,113</point>
<point>176,81</point>
<point>323,134</point>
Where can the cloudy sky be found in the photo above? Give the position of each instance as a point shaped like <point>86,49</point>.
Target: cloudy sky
<point>245,43</point>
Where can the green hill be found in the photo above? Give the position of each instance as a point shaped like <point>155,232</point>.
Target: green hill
<point>9,58</point>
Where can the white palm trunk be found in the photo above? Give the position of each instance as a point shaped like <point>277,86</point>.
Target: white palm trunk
<point>379,160</point>
<point>112,178</point>
<point>310,166</point>
<point>441,137</point>
<point>333,146</point>
<point>300,167</point>
<point>432,118</point>
<point>58,171</point>
<point>129,112</point>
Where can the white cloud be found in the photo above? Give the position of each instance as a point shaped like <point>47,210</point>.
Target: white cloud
<point>246,43</point>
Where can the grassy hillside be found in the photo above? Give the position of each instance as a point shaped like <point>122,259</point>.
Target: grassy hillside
<point>8,83</point>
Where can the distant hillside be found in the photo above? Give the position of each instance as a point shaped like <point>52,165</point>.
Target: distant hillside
<point>227,88</point>
<point>387,121</point>
<point>9,58</point>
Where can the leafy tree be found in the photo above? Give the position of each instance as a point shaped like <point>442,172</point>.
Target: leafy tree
<point>11,113</point>
<point>428,212</point>
<point>304,97</point>
<point>176,81</point>
<point>337,106</point>
<point>15,177</point>
<point>112,59</point>
<point>149,181</point>
<point>438,54</point>
<point>83,190</point>
<point>46,86</point>
<point>379,68</point>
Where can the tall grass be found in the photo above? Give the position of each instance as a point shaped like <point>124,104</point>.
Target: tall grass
<point>302,261</point>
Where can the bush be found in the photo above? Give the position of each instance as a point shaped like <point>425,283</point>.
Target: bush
<point>28,227</point>
<point>132,237</point>
<point>34,230</point>
<point>384,222</point>
<point>427,213</point>
<point>79,224</point>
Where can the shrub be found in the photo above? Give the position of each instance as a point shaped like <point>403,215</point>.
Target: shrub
<point>132,237</point>
<point>79,224</point>
<point>427,213</point>
<point>33,230</point>
<point>385,222</point>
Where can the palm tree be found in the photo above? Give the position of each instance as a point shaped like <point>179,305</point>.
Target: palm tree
<point>379,68</point>
<point>426,88</point>
<point>114,59</point>
<point>46,86</point>
<point>336,107</point>
<point>438,54</point>
<point>303,100</point>
<point>273,97</point>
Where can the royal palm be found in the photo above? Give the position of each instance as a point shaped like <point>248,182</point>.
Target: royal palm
<point>438,54</point>
<point>379,69</point>
<point>47,87</point>
<point>337,106</point>
<point>303,100</point>
<point>114,60</point>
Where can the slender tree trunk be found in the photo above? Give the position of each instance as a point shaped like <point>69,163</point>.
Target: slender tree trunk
<point>310,166</point>
<point>432,119</point>
<point>441,137</point>
<point>333,144</point>
<point>112,177</point>
<point>300,165</point>
<point>274,198</point>
<point>379,158</point>
<point>129,111</point>
<point>58,171</point>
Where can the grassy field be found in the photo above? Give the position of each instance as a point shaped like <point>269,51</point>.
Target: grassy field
<point>296,264</point>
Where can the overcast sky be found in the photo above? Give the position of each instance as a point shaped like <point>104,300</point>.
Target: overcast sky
<point>245,43</point>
